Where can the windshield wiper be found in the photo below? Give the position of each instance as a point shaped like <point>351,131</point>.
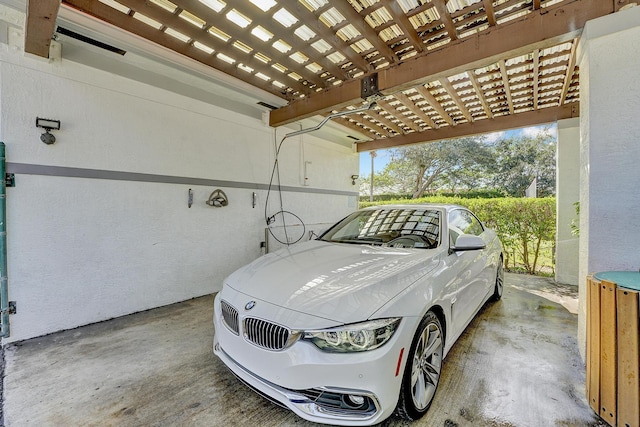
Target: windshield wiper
<point>361,241</point>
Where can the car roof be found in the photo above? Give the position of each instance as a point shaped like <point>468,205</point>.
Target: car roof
<point>442,206</point>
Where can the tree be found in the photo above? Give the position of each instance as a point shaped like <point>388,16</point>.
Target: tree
<point>419,169</point>
<point>518,160</point>
<point>507,165</point>
<point>383,183</point>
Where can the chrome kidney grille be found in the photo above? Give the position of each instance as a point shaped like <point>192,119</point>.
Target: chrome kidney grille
<point>230,317</point>
<point>266,334</point>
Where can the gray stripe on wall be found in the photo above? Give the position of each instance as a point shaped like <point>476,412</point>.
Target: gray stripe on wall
<point>29,169</point>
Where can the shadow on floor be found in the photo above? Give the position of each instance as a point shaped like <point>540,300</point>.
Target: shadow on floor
<point>517,364</point>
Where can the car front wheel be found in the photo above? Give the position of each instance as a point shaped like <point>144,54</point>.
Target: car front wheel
<point>422,371</point>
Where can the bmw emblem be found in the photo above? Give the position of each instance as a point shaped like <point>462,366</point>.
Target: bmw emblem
<point>250,305</point>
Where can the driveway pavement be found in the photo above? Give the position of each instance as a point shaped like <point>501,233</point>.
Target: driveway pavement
<point>517,364</point>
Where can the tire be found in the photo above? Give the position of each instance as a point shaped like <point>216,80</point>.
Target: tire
<point>422,370</point>
<point>497,291</point>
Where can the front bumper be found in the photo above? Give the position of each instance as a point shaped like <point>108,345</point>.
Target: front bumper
<point>316,385</point>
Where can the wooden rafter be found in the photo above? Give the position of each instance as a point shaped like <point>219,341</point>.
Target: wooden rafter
<point>241,35</point>
<point>311,20</point>
<point>445,18</point>
<point>40,25</point>
<point>536,4</point>
<point>367,132</point>
<point>265,21</point>
<point>377,115</point>
<point>488,9</point>
<point>479,93</point>
<point>400,18</point>
<point>537,30</point>
<point>375,127</point>
<point>404,99</point>
<point>536,76</point>
<point>386,106</point>
<point>570,69</point>
<point>453,94</point>
<point>365,29</point>
<point>175,22</point>
<point>433,102</point>
<point>506,85</point>
<point>114,17</point>
<point>531,118</point>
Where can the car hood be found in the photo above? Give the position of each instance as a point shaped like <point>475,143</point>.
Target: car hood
<point>340,282</point>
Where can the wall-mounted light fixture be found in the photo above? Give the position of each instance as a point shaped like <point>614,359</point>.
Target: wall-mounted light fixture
<point>353,179</point>
<point>48,125</point>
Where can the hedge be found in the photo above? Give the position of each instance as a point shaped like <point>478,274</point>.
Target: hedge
<point>467,194</point>
<point>526,227</point>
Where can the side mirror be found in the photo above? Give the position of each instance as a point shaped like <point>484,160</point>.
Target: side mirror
<point>468,242</point>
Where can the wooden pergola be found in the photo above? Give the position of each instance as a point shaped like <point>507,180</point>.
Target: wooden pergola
<point>437,69</point>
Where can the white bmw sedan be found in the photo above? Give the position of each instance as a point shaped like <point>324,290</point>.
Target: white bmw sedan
<point>353,326</point>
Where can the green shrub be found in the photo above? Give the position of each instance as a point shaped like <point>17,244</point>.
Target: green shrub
<point>474,194</point>
<point>526,227</point>
<point>467,194</point>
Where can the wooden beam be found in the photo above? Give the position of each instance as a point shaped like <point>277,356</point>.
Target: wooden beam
<point>505,84</point>
<point>453,94</point>
<point>404,99</point>
<point>428,96</point>
<point>479,127</point>
<point>40,26</point>
<point>354,18</point>
<point>536,4</point>
<point>537,30</point>
<point>479,93</point>
<point>445,18</point>
<point>320,103</point>
<point>488,9</point>
<point>403,22</point>
<point>570,69</point>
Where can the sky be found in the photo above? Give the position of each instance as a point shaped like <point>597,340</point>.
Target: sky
<point>382,156</point>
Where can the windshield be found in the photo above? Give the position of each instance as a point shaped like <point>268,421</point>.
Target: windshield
<point>404,228</point>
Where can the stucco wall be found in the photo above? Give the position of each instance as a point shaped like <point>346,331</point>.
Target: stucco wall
<point>83,250</point>
<point>567,194</point>
<point>609,60</point>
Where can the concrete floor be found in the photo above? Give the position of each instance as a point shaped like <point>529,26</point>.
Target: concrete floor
<point>516,365</point>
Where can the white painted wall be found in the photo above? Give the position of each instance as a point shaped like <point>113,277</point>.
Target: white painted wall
<point>84,250</point>
<point>567,194</point>
<point>609,60</point>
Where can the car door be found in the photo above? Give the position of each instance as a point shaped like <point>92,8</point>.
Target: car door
<point>472,281</point>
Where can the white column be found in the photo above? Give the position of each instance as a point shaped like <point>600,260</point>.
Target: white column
<point>609,59</point>
<point>567,195</point>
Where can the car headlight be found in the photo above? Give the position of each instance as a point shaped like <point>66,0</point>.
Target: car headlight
<point>355,337</point>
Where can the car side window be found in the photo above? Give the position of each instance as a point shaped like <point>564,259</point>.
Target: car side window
<point>463,222</point>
